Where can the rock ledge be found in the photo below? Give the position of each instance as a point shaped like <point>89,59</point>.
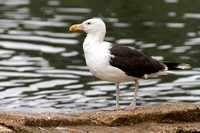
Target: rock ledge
<point>176,117</point>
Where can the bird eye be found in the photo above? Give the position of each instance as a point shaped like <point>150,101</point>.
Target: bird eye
<point>88,23</point>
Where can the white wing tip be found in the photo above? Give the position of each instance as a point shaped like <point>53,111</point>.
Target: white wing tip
<point>170,72</point>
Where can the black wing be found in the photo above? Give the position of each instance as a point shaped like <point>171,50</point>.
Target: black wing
<point>133,62</point>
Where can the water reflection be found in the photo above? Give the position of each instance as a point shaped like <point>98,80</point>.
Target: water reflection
<point>39,38</point>
<point>42,67</point>
<point>175,25</point>
<point>14,2</point>
<point>171,1</point>
<point>30,46</point>
<point>192,15</point>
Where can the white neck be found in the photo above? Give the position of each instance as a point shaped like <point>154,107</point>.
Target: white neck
<point>94,38</point>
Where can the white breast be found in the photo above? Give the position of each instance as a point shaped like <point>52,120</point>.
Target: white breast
<point>97,58</point>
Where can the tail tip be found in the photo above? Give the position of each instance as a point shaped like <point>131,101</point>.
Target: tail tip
<point>181,66</point>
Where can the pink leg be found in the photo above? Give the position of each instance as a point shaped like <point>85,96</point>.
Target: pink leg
<point>117,100</point>
<point>133,103</point>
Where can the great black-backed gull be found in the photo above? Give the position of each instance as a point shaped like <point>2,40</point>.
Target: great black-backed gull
<point>116,63</point>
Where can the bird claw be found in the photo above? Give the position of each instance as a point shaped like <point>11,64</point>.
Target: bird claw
<point>111,109</point>
<point>131,107</point>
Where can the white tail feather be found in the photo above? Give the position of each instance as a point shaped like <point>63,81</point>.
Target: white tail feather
<point>160,73</point>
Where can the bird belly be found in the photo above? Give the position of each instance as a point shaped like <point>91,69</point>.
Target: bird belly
<point>111,74</point>
<point>98,64</point>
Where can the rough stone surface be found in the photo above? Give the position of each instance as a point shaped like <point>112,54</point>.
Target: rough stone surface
<point>4,129</point>
<point>166,118</point>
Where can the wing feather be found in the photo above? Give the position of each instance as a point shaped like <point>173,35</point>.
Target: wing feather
<point>133,62</point>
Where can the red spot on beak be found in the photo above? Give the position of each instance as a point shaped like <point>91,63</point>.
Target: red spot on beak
<point>73,29</point>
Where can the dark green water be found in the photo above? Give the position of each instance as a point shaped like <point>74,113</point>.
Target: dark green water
<point>42,67</point>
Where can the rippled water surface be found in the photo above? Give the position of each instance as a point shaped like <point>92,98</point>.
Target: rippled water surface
<point>42,67</point>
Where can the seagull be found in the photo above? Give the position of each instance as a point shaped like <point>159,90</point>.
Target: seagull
<point>115,63</point>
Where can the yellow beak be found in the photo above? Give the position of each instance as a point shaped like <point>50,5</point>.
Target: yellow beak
<point>76,27</point>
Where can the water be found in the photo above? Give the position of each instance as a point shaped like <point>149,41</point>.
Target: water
<point>42,67</point>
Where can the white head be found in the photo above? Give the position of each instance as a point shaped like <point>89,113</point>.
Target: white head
<point>91,26</point>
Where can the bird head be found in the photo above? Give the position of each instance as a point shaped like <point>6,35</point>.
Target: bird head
<point>90,26</point>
